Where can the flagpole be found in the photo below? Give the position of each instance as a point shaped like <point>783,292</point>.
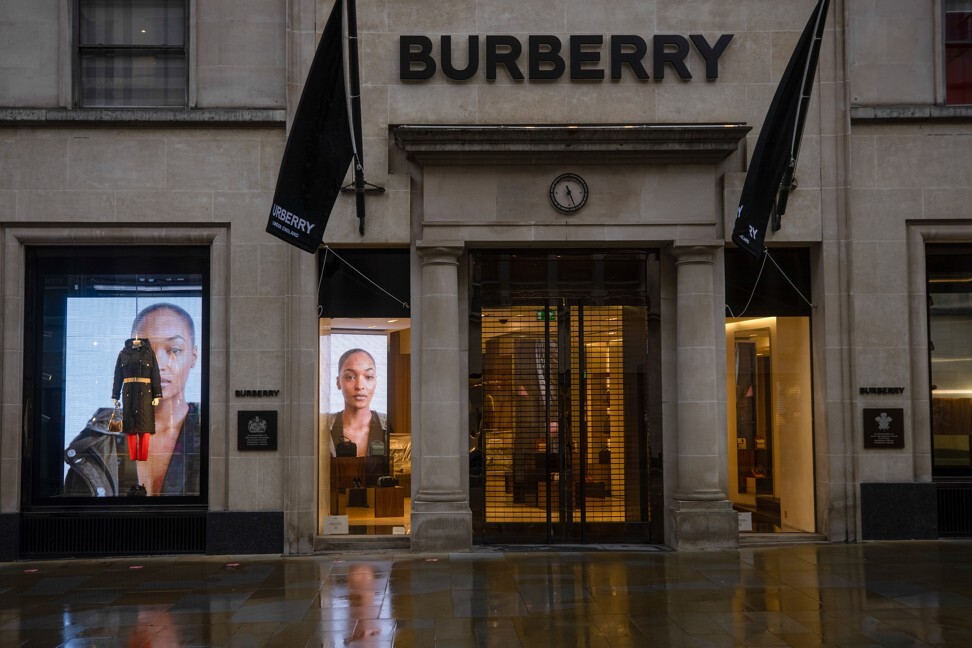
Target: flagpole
<point>806,89</point>
<point>354,97</point>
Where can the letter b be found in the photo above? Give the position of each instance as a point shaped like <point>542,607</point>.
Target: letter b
<point>408,55</point>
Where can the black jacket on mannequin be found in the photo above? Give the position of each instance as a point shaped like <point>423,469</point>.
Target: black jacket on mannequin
<point>137,382</point>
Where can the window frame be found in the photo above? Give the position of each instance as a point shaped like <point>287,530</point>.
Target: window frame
<point>79,50</point>
<point>45,261</point>
<point>946,9</point>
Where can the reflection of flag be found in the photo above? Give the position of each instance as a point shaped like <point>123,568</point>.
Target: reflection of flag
<point>770,175</point>
<point>319,147</point>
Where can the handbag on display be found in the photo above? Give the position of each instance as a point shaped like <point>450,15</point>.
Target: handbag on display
<point>376,449</point>
<point>387,481</point>
<point>115,421</point>
<point>346,448</point>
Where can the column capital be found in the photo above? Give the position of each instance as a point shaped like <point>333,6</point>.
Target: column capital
<point>695,251</point>
<point>439,251</point>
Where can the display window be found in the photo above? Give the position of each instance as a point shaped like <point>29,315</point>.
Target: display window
<point>365,393</point>
<point>769,392</point>
<point>364,422</point>
<point>115,367</point>
<point>949,279</point>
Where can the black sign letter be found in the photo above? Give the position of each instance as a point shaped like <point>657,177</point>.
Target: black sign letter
<point>407,55</point>
<point>628,50</point>
<point>711,53</point>
<point>579,56</point>
<point>472,65</point>
<point>506,58</point>
<point>545,49</point>
<point>674,58</point>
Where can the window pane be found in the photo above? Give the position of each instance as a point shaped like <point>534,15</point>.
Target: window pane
<point>130,79</point>
<point>138,22</point>
<point>958,54</point>
<point>950,331</point>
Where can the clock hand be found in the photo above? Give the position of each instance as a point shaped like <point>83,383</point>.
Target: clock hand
<point>570,195</point>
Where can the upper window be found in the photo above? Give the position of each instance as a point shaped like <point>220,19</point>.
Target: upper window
<point>132,53</point>
<point>958,52</point>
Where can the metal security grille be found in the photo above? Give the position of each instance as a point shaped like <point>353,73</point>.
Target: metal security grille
<point>556,437</point>
<point>598,425</point>
<point>560,421</point>
<point>519,379</point>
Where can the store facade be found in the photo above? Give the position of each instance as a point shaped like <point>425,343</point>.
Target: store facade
<point>544,334</point>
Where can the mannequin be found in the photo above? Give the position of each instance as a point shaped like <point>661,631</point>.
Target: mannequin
<point>138,384</point>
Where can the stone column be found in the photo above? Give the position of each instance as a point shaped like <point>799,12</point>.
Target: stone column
<point>441,519</point>
<point>701,516</point>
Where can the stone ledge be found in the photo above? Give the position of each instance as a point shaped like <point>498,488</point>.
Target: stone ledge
<point>162,116</point>
<point>553,144</point>
<point>909,113</point>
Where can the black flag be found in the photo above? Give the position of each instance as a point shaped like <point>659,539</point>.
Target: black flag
<point>770,176</point>
<point>319,147</point>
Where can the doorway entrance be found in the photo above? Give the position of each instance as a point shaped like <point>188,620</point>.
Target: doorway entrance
<point>561,434</point>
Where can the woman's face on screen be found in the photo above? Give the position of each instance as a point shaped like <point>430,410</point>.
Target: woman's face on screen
<point>174,348</point>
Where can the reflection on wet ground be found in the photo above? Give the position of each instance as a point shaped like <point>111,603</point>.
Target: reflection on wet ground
<point>873,594</point>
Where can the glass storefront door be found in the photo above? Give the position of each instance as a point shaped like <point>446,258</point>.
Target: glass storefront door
<point>560,431</point>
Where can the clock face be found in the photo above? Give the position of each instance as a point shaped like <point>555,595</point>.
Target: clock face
<point>568,192</point>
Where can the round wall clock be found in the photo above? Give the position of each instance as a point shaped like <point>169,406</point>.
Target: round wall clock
<point>568,192</point>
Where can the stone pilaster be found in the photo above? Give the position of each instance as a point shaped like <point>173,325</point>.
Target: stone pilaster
<point>441,519</point>
<point>701,516</point>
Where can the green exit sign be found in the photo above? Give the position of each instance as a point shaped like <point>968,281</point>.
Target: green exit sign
<point>546,316</point>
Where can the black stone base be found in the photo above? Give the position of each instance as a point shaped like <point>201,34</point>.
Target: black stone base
<point>899,512</point>
<point>244,532</point>
<point>9,536</point>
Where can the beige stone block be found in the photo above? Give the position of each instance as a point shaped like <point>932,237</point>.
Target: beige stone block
<point>215,164</point>
<point>271,268</point>
<point>256,322</point>
<point>864,164</point>
<point>871,467</point>
<point>610,102</point>
<point>8,205</point>
<point>70,206</point>
<point>705,16</point>
<point>880,214</point>
<point>116,163</point>
<point>374,115</point>
<point>251,44</point>
<point>249,212</point>
<point>439,473</point>
<point>430,103</point>
<point>33,163</point>
<point>544,103</point>
<point>877,266</point>
<point>628,16</point>
<point>901,155</point>
<point>246,270</point>
<point>271,155</point>
<point>229,11</point>
<point>767,15</point>
<point>743,61</point>
<point>947,203</point>
<point>421,17</point>
<point>880,320</point>
<point>697,102</point>
<point>29,55</point>
<point>511,17</point>
<point>135,206</point>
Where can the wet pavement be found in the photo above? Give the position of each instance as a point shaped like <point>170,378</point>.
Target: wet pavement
<point>854,595</point>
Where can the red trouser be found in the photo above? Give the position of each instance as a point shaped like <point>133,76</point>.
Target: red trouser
<point>138,445</point>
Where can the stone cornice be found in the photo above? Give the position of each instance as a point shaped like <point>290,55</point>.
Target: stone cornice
<point>910,113</point>
<point>155,116</point>
<point>600,144</point>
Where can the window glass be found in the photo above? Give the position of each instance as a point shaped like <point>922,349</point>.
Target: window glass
<point>958,51</point>
<point>115,378</point>
<point>364,421</point>
<point>132,53</point>
<point>950,350</point>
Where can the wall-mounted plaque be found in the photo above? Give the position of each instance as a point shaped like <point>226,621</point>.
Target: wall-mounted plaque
<point>883,427</point>
<point>256,430</point>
